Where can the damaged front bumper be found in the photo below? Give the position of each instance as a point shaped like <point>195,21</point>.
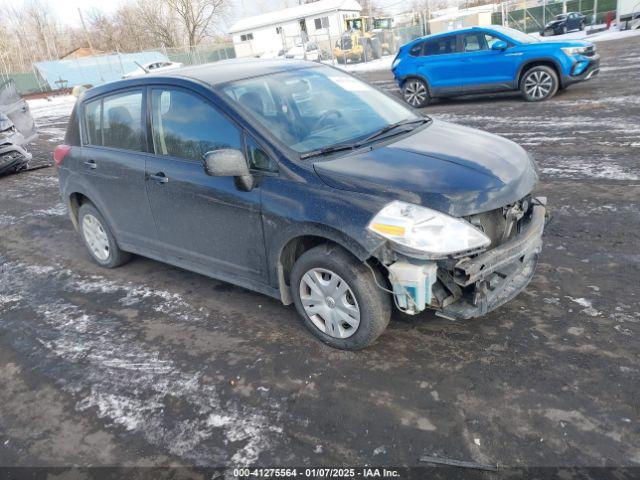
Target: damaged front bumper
<point>475,285</point>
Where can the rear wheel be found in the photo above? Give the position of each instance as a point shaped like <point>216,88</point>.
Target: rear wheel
<point>98,238</point>
<point>415,92</point>
<point>539,83</point>
<point>564,29</point>
<point>338,299</point>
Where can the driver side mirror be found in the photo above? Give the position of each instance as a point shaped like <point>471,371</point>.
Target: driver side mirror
<point>499,45</point>
<point>229,162</point>
<point>225,162</point>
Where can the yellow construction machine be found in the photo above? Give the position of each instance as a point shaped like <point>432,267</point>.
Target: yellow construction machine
<point>365,38</point>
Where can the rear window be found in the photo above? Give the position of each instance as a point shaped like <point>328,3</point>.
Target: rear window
<point>115,121</point>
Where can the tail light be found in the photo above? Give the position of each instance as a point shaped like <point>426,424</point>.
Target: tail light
<point>60,152</point>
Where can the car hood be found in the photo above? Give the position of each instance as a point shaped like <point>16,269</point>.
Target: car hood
<point>565,43</point>
<point>450,168</point>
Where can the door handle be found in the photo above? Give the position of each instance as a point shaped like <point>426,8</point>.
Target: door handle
<point>91,164</point>
<point>159,177</point>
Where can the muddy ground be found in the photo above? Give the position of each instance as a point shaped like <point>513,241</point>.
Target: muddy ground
<point>152,365</point>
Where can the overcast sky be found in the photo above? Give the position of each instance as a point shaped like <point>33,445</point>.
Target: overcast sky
<point>67,10</point>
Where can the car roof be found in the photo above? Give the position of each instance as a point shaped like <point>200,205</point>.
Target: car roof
<point>236,69</point>
<point>209,74</point>
<point>449,32</point>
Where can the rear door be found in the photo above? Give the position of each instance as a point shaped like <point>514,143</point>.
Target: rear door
<point>207,222</point>
<point>484,69</point>
<point>17,109</point>
<point>439,61</point>
<point>112,164</point>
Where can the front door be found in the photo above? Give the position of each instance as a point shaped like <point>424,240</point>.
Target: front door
<point>205,222</point>
<point>484,69</point>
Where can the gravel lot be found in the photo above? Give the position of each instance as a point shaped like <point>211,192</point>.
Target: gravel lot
<point>152,365</point>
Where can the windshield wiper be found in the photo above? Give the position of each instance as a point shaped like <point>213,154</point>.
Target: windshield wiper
<point>373,136</point>
<point>331,149</point>
<point>391,127</point>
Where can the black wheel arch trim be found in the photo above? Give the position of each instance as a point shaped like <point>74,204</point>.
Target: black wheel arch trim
<point>529,62</point>
<point>324,233</point>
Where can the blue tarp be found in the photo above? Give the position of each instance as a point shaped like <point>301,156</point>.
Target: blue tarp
<point>93,70</point>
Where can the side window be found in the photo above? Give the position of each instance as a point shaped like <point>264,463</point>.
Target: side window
<point>416,50</point>
<point>490,39</point>
<point>258,158</point>
<point>441,46</point>
<point>93,122</point>
<point>115,121</point>
<point>122,121</point>
<point>473,42</point>
<point>186,126</point>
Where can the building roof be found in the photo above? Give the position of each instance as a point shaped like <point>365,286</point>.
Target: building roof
<point>293,13</point>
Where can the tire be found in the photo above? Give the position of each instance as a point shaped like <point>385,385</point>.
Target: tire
<point>542,77</point>
<point>335,273</point>
<point>415,92</point>
<point>581,26</point>
<point>367,54</point>
<point>98,239</point>
<point>564,29</point>
<point>377,50</point>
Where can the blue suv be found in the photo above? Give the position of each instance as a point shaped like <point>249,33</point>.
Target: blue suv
<point>492,59</point>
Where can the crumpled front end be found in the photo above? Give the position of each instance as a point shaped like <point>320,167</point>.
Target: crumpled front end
<point>13,157</point>
<point>17,128</point>
<point>475,284</point>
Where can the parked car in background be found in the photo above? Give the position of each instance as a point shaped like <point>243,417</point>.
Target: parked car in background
<point>152,67</point>
<point>17,129</point>
<point>273,54</point>
<point>490,59</point>
<point>303,183</point>
<point>304,51</point>
<point>564,23</point>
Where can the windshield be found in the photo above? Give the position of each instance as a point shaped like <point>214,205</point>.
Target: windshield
<point>382,23</point>
<point>315,108</point>
<point>516,35</point>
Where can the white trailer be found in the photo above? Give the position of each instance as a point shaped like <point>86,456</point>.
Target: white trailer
<point>628,13</point>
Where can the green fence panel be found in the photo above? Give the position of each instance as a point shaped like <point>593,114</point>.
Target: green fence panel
<point>26,83</point>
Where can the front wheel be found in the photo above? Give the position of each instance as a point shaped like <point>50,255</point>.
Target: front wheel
<point>415,93</point>
<point>564,29</point>
<point>338,299</point>
<point>539,83</point>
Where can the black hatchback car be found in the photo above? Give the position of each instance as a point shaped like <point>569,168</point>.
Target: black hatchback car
<point>301,182</point>
<point>563,23</point>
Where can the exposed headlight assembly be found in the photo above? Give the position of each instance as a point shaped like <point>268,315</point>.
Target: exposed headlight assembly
<point>575,50</point>
<point>424,233</point>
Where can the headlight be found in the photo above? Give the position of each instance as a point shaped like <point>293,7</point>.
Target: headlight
<point>574,50</point>
<point>420,231</point>
<point>395,63</point>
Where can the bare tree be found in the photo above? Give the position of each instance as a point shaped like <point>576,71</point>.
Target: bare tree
<point>159,18</point>
<point>198,18</point>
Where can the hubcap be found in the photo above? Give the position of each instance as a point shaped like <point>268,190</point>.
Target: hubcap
<point>538,84</point>
<point>415,93</point>
<point>330,303</point>
<point>96,237</point>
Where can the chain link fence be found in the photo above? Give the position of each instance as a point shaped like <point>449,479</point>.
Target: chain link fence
<point>533,19</point>
<point>347,47</point>
<point>54,75</point>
